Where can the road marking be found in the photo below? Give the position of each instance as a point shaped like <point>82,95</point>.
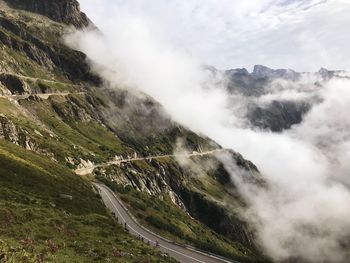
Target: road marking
<point>107,194</point>
<point>113,204</point>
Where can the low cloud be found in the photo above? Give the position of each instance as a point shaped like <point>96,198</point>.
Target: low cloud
<point>304,213</point>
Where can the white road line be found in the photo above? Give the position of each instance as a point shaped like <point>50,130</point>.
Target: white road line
<point>113,204</point>
<point>143,235</point>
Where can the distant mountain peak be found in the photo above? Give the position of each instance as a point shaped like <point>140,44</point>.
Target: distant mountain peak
<point>62,11</point>
<point>264,73</point>
<point>240,71</point>
<point>260,72</point>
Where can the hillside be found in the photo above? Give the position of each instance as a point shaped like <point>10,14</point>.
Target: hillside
<point>57,116</point>
<point>48,214</point>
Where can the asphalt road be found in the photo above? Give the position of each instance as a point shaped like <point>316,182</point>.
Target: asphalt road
<point>180,253</point>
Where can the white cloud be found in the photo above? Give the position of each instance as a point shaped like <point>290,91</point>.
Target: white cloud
<point>231,34</point>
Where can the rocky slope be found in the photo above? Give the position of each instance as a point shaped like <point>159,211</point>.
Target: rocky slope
<point>54,107</point>
<point>64,11</point>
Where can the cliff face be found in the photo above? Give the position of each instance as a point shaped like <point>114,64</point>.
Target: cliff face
<point>40,51</point>
<point>62,11</point>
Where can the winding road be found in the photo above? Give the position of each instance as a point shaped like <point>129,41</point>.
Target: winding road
<point>90,169</point>
<point>183,254</point>
<point>40,95</point>
<point>43,96</point>
<point>34,79</point>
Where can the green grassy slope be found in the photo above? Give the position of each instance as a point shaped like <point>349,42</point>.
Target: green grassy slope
<point>36,222</point>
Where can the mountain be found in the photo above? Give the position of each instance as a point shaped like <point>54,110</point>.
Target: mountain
<point>328,74</point>
<point>64,11</point>
<point>261,72</point>
<point>278,114</point>
<point>56,117</point>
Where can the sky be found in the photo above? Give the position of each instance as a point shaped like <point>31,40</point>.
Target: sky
<point>304,35</point>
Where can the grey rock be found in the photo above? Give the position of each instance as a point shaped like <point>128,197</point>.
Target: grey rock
<point>261,72</point>
<point>63,11</point>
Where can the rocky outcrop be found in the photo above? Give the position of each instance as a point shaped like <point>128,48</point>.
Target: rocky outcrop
<point>63,11</point>
<point>30,46</point>
<point>11,133</point>
<point>71,111</point>
<point>156,180</point>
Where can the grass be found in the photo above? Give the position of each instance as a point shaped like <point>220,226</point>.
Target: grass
<point>36,222</point>
<point>8,108</point>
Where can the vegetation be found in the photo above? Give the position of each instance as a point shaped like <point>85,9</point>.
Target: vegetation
<point>57,133</point>
<point>39,224</point>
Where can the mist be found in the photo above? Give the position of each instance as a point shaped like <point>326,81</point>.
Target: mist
<point>305,210</point>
